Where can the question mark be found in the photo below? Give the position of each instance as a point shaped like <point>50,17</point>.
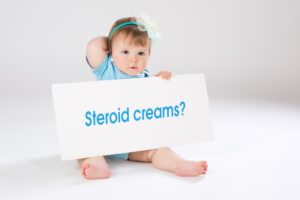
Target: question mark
<point>182,104</point>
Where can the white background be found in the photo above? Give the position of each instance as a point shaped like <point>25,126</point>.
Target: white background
<point>245,48</point>
<point>248,50</point>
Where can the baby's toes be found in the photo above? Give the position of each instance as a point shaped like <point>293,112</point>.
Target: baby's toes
<point>201,171</point>
<point>84,166</point>
<point>204,166</point>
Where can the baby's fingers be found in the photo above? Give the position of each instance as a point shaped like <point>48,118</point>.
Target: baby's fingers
<point>169,75</point>
<point>165,75</point>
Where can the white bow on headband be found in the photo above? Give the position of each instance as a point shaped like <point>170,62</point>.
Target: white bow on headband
<point>150,27</point>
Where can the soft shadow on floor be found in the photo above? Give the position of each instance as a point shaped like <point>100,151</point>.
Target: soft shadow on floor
<point>38,174</point>
<point>132,169</point>
<point>50,172</point>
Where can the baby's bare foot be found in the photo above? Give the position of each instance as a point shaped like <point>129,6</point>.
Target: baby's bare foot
<point>95,168</point>
<point>191,168</point>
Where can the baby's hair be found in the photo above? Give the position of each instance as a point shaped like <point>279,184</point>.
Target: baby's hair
<point>132,32</point>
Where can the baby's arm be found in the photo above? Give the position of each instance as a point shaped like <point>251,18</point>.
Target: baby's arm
<point>96,51</point>
<point>164,75</point>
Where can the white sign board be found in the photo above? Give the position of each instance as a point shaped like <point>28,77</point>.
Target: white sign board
<point>119,116</point>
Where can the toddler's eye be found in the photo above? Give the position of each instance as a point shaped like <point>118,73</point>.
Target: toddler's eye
<point>141,53</point>
<point>125,52</point>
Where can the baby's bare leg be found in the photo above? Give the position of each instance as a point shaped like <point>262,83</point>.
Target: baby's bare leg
<point>94,168</point>
<point>166,159</point>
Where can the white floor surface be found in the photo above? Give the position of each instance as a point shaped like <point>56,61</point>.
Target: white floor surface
<point>255,155</point>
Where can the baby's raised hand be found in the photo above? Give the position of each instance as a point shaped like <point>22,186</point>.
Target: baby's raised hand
<point>164,75</point>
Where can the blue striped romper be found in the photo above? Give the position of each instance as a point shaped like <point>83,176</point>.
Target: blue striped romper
<point>107,70</point>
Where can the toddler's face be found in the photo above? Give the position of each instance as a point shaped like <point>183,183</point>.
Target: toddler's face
<point>130,59</point>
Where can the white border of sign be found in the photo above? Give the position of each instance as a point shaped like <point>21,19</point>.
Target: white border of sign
<point>77,140</point>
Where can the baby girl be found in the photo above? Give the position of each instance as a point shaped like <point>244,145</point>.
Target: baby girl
<point>124,54</point>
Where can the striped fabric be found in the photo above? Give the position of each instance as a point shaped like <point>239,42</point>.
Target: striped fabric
<point>107,70</point>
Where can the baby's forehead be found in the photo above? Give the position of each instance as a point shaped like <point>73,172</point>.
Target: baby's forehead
<point>132,45</point>
<point>131,41</point>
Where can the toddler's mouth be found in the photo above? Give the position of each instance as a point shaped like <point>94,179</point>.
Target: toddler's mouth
<point>134,68</point>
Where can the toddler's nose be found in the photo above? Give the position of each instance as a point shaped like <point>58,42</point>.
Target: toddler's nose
<point>133,59</point>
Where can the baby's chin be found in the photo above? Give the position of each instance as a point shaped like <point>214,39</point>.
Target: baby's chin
<point>132,74</point>
<point>133,71</point>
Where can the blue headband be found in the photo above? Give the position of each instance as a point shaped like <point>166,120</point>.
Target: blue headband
<point>124,24</point>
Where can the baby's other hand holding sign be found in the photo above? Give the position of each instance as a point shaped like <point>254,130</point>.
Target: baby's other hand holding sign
<point>164,75</point>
